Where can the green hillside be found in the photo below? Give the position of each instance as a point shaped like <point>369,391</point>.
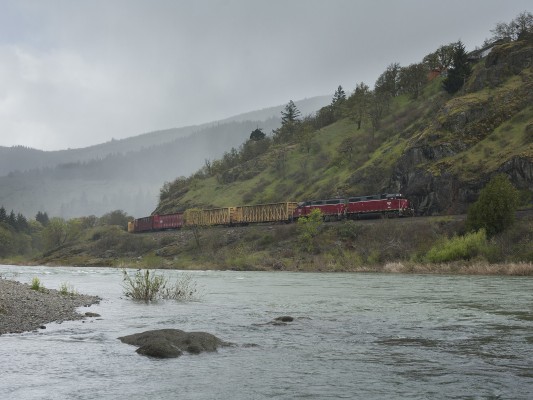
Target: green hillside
<point>438,149</point>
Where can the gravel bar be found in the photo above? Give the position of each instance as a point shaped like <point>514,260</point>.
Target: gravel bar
<point>23,309</point>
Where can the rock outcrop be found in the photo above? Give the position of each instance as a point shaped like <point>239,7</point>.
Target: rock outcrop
<point>171,343</point>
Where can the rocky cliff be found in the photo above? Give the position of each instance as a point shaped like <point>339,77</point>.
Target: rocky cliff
<point>485,129</point>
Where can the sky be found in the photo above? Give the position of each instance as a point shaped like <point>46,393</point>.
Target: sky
<point>75,73</point>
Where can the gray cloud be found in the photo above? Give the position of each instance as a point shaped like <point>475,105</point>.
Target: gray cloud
<point>75,73</point>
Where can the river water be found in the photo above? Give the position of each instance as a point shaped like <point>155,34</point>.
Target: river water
<point>355,336</point>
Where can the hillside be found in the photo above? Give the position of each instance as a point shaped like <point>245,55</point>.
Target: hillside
<point>122,174</point>
<point>437,149</point>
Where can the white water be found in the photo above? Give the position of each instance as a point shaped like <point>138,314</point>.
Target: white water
<point>355,336</point>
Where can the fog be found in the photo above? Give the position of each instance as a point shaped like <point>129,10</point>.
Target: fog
<point>78,73</point>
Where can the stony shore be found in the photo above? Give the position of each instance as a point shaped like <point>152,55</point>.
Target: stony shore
<point>23,309</point>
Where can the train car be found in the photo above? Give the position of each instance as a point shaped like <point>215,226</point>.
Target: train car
<point>143,224</point>
<point>380,204</point>
<point>214,216</point>
<point>167,221</point>
<point>332,209</point>
<point>260,213</point>
<point>131,226</point>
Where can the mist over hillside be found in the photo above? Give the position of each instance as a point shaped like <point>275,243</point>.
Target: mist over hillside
<point>124,174</point>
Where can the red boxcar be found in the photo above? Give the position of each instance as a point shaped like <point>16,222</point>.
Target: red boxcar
<point>384,204</point>
<point>143,224</point>
<point>167,221</point>
<point>330,209</point>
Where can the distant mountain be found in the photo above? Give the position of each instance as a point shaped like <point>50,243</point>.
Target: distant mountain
<point>124,174</point>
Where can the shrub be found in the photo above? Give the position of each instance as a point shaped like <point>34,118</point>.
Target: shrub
<point>494,211</point>
<point>459,248</point>
<point>150,286</point>
<point>308,228</point>
<point>37,285</point>
<point>143,285</point>
<point>66,289</point>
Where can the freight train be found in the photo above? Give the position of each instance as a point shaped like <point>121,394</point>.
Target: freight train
<point>380,205</point>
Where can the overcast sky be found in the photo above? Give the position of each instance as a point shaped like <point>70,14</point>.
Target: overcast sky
<point>76,73</point>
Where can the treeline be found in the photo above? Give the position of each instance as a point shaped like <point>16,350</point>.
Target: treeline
<point>20,236</point>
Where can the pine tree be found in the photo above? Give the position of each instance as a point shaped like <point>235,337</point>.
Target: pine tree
<point>42,218</point>
<point>338,97</point>
<point>459,72</point>
<point>291,114</point>
<point>3,214</point>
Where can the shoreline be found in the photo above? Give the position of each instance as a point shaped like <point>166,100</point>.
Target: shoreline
<point>393,267</point>
<point>23,309</point>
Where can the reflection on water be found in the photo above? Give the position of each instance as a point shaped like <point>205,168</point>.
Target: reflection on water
<point>354,336</point>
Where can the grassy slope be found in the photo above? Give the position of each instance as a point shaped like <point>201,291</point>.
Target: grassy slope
<point>484,127</point>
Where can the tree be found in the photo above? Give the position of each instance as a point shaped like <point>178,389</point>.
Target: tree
<point>412,78</point>
<point>388,81</point>
<point>117,217</point>
<point>42,218</point>
<point>358,104</point>
<point>338,97</point>
<point>522,24</point>
<point>290,114</point>
<point>337,103</point>
<point>290,119</point>
<point>495,208</point>
<point>257,135</point>
<point>441,59</point>
<point>459,72</point>
<point>3,214</point>
<point>22,223</point>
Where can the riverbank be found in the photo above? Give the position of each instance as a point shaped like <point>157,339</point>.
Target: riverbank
<point>24,309</point>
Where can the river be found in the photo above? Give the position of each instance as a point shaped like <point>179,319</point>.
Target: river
<point>354,336</point>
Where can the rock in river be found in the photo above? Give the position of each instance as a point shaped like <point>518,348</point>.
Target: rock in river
<point>169,343</point>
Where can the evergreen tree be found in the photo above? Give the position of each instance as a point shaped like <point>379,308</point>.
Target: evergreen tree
<point>291,114</point>
<point>257,135</point>
<point>42,218</point>
<point>12,219</point>
<point>22,223</point>
<point>3,214</point>
<point>460,70</point>
<point>338,97</point>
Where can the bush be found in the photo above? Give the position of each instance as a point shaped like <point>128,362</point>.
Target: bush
<point>494,211</point>
<point>150,286</point>
<point>66,289</point>
<point>308,229</point>
<point>37,285</point>
<point>459,248</point>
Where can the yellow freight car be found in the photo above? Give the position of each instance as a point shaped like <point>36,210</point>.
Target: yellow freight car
<point>273,212</point>
<point>214,216</point>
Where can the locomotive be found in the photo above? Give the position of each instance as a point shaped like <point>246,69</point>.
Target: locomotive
<point>379,205</point>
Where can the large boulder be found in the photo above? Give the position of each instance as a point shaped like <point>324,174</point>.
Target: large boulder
<point>170,343</point>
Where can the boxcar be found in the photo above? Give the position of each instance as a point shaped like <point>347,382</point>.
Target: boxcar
<point>143,224</point>
<point>167,221</point>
